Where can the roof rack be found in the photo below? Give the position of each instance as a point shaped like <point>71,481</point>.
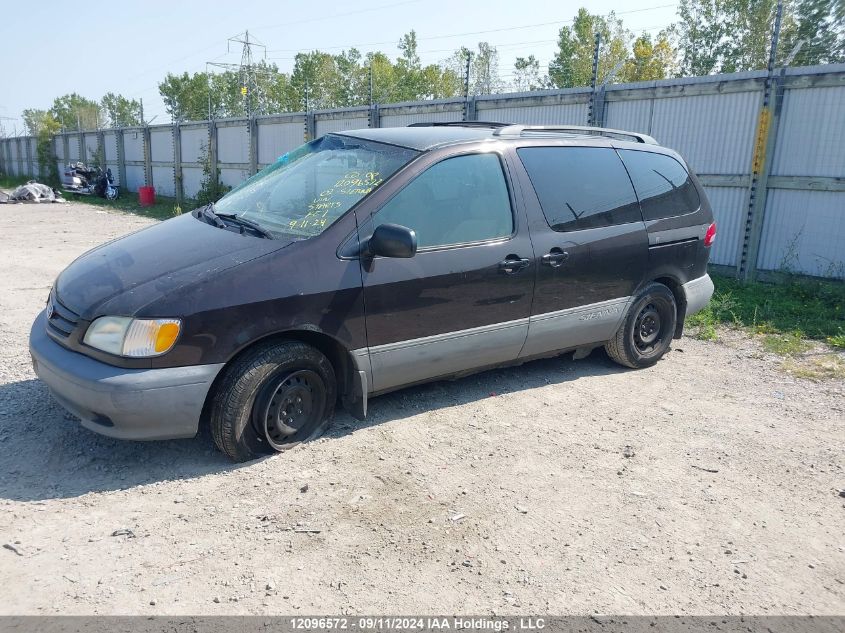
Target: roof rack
<point>493,124</point>
<point>521,130</point>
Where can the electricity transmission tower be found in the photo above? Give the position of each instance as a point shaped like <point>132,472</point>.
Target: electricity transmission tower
<point>246,71</point>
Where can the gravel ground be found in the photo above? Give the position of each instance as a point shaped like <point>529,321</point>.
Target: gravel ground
<point>707,484</point>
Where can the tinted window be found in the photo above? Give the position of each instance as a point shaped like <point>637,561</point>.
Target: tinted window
<point>461,199</point>
<point>580,187</point>
<point>662,183</point>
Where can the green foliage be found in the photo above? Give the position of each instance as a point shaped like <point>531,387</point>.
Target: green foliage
<point>10,182</point>
<point>837,340</point>
<point>121,112</point>
<point>163,209</point>
<point>42,125</point>
<point>483,72</point>
<point>649,59</point>
<point>211,189</point>
<point>710,36</point>
<point>804,308</point>
<point>722,36</point>
<point>821,25</point>
<point>573,63</point>
<point>787,344</point>
<point>527,75</point>
<point>719,310</point>
<point>324,80</point>
<point>186,96</point>
<point>73,111</point>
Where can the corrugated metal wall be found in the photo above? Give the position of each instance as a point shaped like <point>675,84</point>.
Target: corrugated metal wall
<point>275,137</point>
<point>710,120</point>
<point>729,205</point>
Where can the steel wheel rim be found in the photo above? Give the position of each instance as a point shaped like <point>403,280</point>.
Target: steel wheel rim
<point>291,408</point>
<point>648,329</point>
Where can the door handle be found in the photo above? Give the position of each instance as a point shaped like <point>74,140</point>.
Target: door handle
<point>513,264</point>
<point>554,258</point>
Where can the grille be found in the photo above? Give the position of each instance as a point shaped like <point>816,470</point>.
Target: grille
<point>61,321</point>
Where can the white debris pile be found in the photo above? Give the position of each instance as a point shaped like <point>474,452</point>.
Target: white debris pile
<point>33,192</point>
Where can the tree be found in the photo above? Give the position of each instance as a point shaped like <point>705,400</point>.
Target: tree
<point>526,74</point>
<point>186,96</point>
<point>484,76</point>
<point>701,31</point>
<point>315,76</point>
<point>35,120</point>
<point>751,24</point>
<point>735,35</point>
<point>483,71</point>
<point>43,126</point>
<point>649,60</point>
<point>75,111</point>
<point>121,112</point>
<point>573,64</point>
<point>821,26</point>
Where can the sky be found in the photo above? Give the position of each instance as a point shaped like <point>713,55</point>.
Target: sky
<point>53,48</point>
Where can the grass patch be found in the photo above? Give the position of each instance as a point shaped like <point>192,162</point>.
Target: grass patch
<point>788,344</point>
<point>10,182</point>
<point>792,311</point>
<point>819,367</point>
<point>163,209</point>
<point>837,340</point>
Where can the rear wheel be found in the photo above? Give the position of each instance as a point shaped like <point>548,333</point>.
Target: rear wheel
<point>274,397</point>
<point>648,328</point>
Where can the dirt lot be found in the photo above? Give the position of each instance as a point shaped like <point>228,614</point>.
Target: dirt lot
<point>708,484</point>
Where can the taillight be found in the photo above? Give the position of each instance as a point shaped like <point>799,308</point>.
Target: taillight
<point>710,235</point>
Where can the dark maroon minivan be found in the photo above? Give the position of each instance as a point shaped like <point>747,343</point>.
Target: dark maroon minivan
<point>374,259</point>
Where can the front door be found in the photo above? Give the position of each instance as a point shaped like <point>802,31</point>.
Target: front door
<point>590,240</point>
<point>463,301</point>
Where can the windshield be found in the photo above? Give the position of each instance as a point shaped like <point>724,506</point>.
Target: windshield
<point>307,189</point>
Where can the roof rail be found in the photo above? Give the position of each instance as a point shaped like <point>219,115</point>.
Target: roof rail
<point>493,124</point>
<point>520,130</point>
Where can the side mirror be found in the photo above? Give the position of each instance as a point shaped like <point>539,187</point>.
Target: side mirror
<point>391,240</point>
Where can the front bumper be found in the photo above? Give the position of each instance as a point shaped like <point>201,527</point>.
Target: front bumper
<point>698,293</point>
<point>131,404</point>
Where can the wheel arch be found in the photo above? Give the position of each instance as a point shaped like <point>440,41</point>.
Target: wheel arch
<point>336,353</point>
<point>680,300</point>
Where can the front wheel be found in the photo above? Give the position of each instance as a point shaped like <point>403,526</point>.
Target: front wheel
<point>274,397</point>
<point>648,328</point>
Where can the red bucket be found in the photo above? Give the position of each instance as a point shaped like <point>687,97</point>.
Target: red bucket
<point>147,196</point>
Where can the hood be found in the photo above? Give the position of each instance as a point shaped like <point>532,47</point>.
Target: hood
<point>138,269</point>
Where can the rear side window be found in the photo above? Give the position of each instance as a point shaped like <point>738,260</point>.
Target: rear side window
<point>458,200</point>
<point>663,185</point>
<point>580,187</point>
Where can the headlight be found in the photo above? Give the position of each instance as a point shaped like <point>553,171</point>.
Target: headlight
<point>125,336</point>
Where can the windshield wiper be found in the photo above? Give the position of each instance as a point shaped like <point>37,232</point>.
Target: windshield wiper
<point>208,214</point>
<point>243,222</point>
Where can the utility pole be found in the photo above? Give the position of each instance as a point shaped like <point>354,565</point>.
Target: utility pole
<point>763,150</point>
<point>466,85</point>
<point>594,78</point>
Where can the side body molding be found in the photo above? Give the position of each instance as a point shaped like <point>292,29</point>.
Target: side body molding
<point>385,367</point>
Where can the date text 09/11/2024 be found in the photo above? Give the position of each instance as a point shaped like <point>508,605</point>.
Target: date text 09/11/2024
<point>496,625</point>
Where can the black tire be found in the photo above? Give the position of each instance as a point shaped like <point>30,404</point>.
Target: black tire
<point>272,398</point>
<point>647,331</point>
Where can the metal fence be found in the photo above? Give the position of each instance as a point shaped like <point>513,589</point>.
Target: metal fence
<point>775,174</point>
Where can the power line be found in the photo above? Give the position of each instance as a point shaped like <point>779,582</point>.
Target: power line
<point>322,18</point>
<point>451,35</point>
